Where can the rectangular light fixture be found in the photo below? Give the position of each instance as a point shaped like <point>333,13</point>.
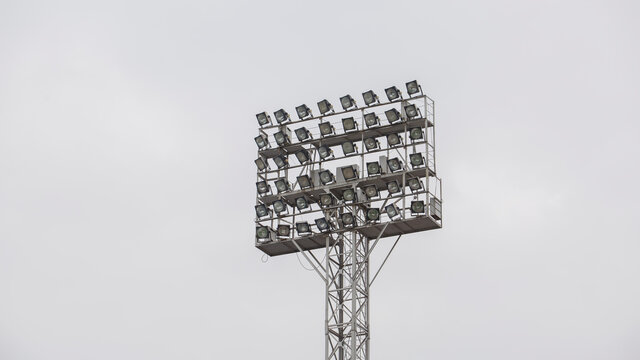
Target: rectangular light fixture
<point>371,119</point>
<point>324,106</point>
<point>284,230</point>
<point>393,93</point>
<point>262,164</point>
<point>394,164</point>
<point>262,141</point>
<point>263,119</point>
<point>413,87</point>
<point>371,143</point>
<point>303,111</point>
<point>281,161</point>
<point>415,133</point>
<point>394,140</point>
<point>304,181</point>
<point>392,115</point>
<point>347,102</point>
<point>369,97</point>
<point>303,134</point>
<point>348,147</point>
<point>326,128</point>
<point>349,172</point>
<point>282,116</point>
<point>303,156</point>
<point>263,187</point>
<point>411,110</point>
<point>373,168</point>
<point>349,124</point>
<point>282,185</point>
<point>303,228</point>
<point>417,160</point>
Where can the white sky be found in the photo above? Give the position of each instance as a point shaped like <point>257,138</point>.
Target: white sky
<point>127,177</point>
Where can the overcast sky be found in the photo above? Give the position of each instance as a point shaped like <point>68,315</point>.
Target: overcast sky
<point>127,177</point>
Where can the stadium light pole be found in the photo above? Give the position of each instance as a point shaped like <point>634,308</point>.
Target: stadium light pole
<point>382,183</point>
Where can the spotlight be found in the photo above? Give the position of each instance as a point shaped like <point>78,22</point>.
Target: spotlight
<point>373,214</point>
<point>349,172</point>
<point>264,234</point>
<point>322,224</point>
<point>411,110</point>
<point>326,177</point>
<point>262,211</point>
<point>371,191</point>
<point>263,187</point>
<point>304,181</point>
<point>326,200</point>
<point>415,133</point>
<point>348,124</point>
<point>282,185</point>
<point>369,97</point>
<point>349,148</point>
<point>303,111</point>
<point>326,128</point>
<point>416,160</point>
<point>373,168</point>
<point>413,87</point>
<point>284,230</point>
<point>392,211</point>
<point>348,195</point>
<point>393,187</point>
<point>303,134</point>
<point>394,164</point>
<point>281,161</point>
<point>303,228</point>
<point>262,164</point>
<point>263,119</point>
<point>347,219</point>
<point>303,156</point>
<point>325,152</point>
<point>347,102</point>
<point>414,184</point>
<point>393,93</point>
<point>371,143</point>
<point>394,140</point>
<point>324,106</point>
<point>417,207</point>
<point>282,137</point>
<point>282,116</point>
<point>371,119</point>
<point>302,203</point>
<point>279,206</point>
<point>392,115</point>
<point>262,141</point>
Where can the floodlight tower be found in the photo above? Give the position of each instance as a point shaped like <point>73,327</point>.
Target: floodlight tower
<point>384,185</point>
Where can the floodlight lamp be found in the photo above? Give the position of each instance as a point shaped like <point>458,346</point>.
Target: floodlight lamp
<point>326,177</point>
<point>371,191</point>
<point>282,185</point>
<point>411,110</point>
<point>262,141</point>
<point>303,156</point>
<point>322,224</point>
<point>417,160</point>
<point>284,230</point>
<point>263,187</point>
<point>282,116</point>
<point>325,106</point>
<point>304,181</point>
<point>303,134</point>
<point>263,119</point>
<point>415,133</point>
<point>393,187</point>
<point>348,147</point>
<point>262,211</point>
<point>394,140</point>
<point>325,152</point>
<point>392,211</point>
<point>373,214</point>
<point>349,124</point>
<point>394,164</point>
<point>281,161</point>
<point>417,207</point>
<point>373,168</point>
<point>263,234</point>
<point>347,219</point>
<point>279,206</point>
<point>413,87</point>
<point>414,184</point>
<point>371,119</point>
<point>326,128</point>
<point>371,143</point>
<point>303,111</point>
<point>392,115</point>
<point>349,172</point>
<point>393,93</point>
<point>303,228</point>
<point>262,164</point>
<point>369,97</point>
<point>282,138</point>
<point>348,195</point>
<point>347,102</point>
<point>302,203</point>
<point>326,200</point>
